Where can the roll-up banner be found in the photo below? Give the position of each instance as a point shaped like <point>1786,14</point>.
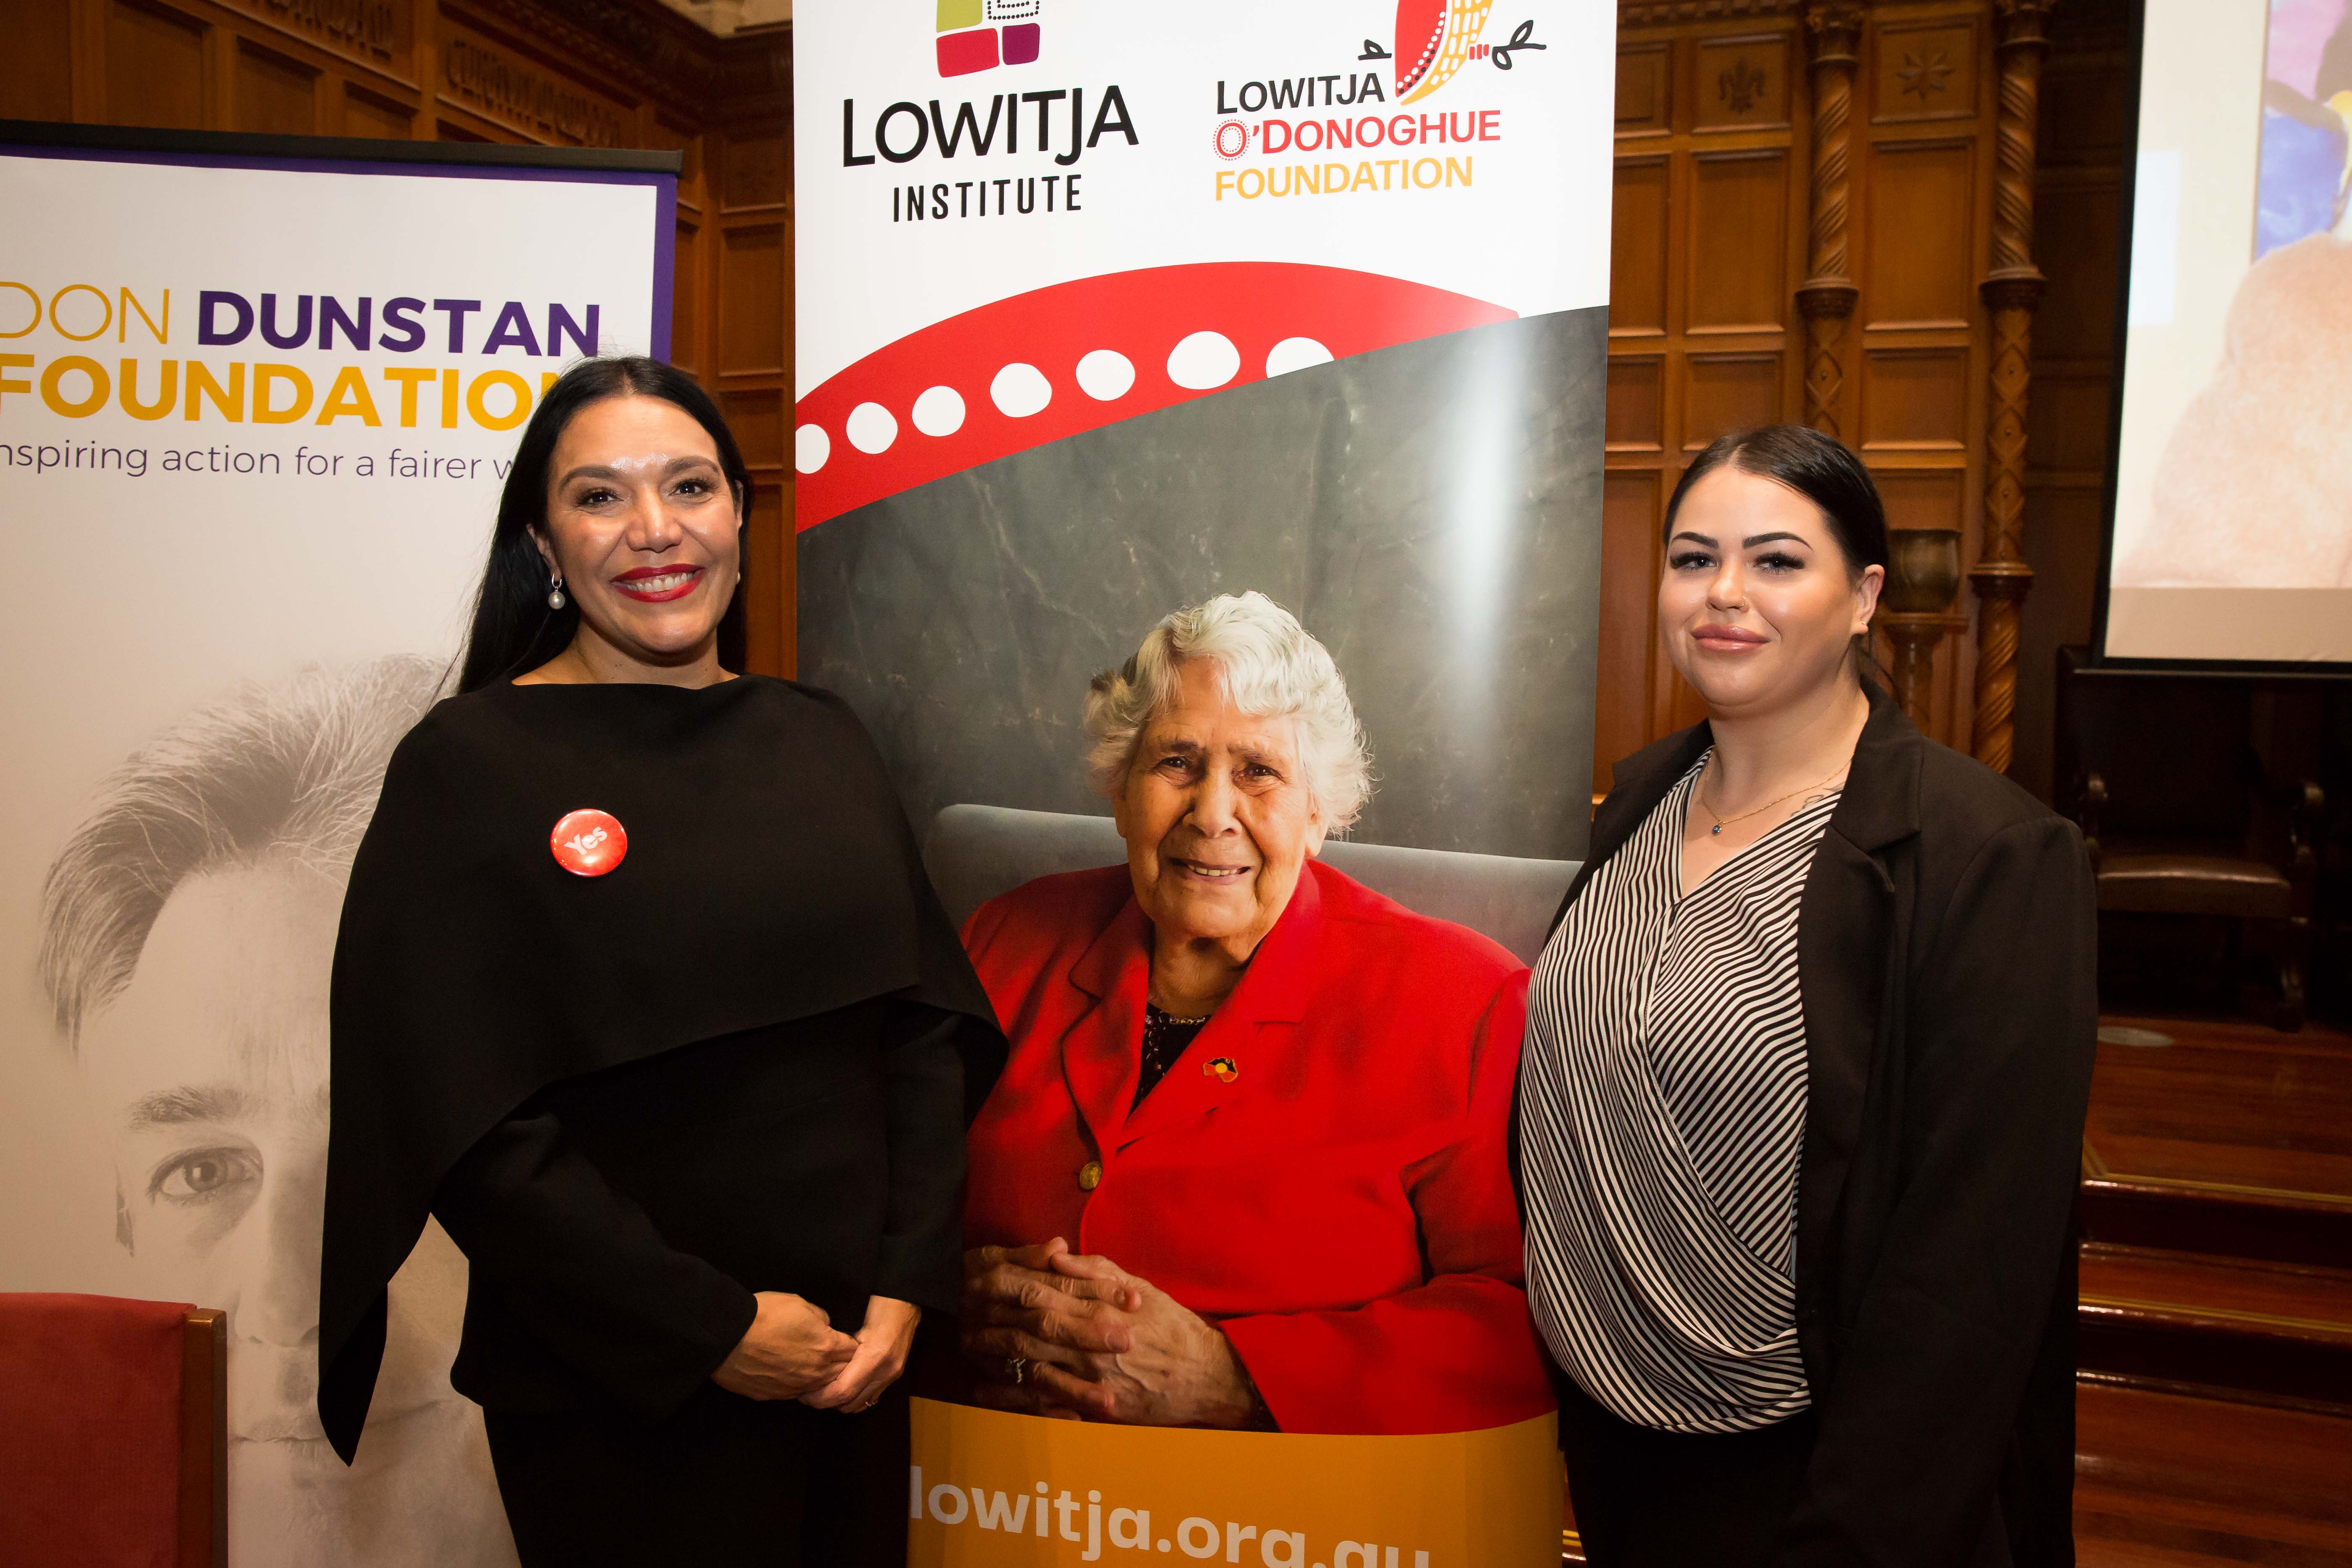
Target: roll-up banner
<point>257,398</point>
<point>1105,309</point>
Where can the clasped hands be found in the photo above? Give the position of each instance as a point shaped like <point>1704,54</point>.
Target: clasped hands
<point>794,1352</point>
<point>1094,1342</point>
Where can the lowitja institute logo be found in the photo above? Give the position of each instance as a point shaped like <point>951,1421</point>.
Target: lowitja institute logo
<point>981,35</point>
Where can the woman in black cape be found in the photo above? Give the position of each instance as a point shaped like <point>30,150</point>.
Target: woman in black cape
<point>642,991</point>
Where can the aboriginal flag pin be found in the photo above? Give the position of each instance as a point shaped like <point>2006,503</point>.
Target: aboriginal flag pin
<point>1225,1069</point>
<point>589,843</point>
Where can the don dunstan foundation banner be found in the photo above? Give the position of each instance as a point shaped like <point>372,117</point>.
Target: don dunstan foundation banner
<point>256,399</point>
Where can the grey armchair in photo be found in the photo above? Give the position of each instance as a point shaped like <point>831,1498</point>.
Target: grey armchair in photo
<point>976,852</point>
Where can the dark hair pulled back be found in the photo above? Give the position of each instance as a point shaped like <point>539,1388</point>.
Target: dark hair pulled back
<point>514,630</point>
<point>1824,470</point>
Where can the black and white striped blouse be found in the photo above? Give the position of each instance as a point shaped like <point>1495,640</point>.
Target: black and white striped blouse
<point>1662,1114</point>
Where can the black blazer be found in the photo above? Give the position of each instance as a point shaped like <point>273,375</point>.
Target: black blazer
<point>1946,948</point>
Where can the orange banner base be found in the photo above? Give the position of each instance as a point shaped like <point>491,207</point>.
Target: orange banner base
<point>992,1490</point>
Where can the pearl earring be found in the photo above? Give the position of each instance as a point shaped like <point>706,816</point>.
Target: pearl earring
<point>555,593</point>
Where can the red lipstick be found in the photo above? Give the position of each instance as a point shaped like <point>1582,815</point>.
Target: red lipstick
<point>659,584</point>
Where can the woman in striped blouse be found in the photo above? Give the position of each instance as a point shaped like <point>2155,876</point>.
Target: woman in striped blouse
<point>1806,1059</point>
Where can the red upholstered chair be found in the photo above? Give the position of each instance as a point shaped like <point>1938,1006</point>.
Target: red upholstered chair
<point>113,1433</point>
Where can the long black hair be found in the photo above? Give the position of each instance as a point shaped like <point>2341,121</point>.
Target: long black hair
<point>514,630</point>
<point>1824,470</point>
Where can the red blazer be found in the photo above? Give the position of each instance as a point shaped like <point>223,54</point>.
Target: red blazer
<point>1341,1208</point>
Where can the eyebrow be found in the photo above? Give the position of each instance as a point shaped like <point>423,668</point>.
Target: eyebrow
<point>1250,751</point>
<point>179,1107</point>
<point>601,471</point>
<point>1750,542</point>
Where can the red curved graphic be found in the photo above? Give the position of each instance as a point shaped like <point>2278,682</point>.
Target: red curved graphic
<point>1420,28</point>
<point>1142,316</point>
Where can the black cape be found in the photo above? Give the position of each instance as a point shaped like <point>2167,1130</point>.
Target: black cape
<point>770,877</point>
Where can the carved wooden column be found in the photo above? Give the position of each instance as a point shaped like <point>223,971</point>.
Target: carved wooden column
<point>2013,288</point>
<point>1826,297</point>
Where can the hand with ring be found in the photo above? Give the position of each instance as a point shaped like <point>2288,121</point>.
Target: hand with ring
<point>878,1356</point>
<point>1081,1338</point>
<point>1028,1313</point>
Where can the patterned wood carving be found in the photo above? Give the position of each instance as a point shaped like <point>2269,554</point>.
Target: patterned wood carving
<point>1826,297</point>
<point>2011,290</point>
<point>1743,82</point>
<point>2080,146</point>
<point>502,85</point>
<point>1927,70</point>
<point>374,32</point>
<point>624,43</point>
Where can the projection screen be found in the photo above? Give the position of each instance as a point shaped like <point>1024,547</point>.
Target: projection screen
<point>2231,536</point>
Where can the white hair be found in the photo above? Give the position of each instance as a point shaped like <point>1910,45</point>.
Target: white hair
<point>292,770</point>
<point>1271,668</point>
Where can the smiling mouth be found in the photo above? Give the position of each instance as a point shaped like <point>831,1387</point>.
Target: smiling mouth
<point>653,587</point>
<point>1728,639</point>
<point>1208,873</point>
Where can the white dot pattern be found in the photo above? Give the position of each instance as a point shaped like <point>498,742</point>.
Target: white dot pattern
<point>1200,362</point>
<point>1294,354</point>
<point>810,448</point>
<point>1020,390</point>
<point>940,411</point>
<point>871,427</point>
<point>1105,374</point>
<point>1203,360</point>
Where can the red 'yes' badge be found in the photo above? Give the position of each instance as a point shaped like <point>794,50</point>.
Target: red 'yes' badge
<point>589,843</point>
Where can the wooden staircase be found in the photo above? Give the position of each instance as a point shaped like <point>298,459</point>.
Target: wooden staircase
<point>2214,1423</point>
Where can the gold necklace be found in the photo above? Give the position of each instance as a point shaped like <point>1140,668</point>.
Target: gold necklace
<point>1723,822</point>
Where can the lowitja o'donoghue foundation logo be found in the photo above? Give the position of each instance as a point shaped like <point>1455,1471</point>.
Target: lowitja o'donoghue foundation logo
<point>981,35</point>
<point>1433,39</point>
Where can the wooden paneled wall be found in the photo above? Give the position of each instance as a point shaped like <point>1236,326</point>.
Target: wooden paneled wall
<point>616,73</point>
<point>1804,232</point>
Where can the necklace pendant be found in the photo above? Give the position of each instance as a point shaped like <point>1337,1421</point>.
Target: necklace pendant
<point>1717,828</point>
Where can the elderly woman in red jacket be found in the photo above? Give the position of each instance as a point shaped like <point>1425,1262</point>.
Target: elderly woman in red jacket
<point>1246,1166</point>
